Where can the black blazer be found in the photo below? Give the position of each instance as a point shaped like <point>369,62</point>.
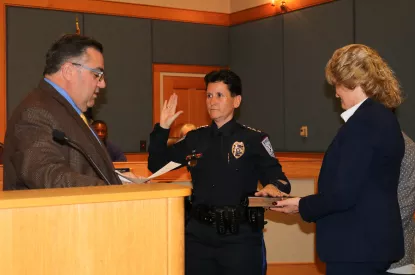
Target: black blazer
<point>356,209</point>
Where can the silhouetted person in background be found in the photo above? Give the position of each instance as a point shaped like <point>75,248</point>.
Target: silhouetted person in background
<point>101,129</point>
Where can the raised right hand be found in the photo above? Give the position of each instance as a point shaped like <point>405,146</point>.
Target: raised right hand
<point>168,113</point>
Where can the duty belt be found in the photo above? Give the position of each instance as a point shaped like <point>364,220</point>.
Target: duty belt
<point>226,218</point>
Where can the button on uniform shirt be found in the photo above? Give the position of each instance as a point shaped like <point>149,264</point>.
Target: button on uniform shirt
<point>225,163</point>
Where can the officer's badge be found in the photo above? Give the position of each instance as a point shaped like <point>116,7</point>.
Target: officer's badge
<point>238,149</point>
<point>267,145</point>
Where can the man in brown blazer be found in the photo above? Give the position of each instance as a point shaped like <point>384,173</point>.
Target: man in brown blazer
<point>33,158</point>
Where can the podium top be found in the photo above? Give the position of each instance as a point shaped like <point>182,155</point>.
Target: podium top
<point>95,194</point>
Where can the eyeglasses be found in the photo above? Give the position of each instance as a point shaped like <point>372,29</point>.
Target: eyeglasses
<point>98,73</point>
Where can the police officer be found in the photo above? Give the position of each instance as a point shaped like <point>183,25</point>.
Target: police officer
<point>226,160</point>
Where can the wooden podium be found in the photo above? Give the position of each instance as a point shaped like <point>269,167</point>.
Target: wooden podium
<point>129,229</point>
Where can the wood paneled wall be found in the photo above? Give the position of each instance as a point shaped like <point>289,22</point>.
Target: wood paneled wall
<point>295,166</point>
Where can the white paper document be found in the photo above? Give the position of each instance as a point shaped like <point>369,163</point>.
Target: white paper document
<point>166,168</point>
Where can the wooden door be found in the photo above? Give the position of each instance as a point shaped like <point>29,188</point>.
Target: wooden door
<point>191,100</point>
<point>188,83</point>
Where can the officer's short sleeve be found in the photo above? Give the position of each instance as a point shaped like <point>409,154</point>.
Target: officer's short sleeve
<point>267,165</point>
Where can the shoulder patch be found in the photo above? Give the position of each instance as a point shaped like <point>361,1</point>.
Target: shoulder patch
<point>250,128</point>
<point>199,128</point>
<point>267,145</point>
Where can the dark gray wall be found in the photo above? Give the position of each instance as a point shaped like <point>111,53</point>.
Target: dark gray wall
<point>30,32</point>
<point>125,104</point>
<point>256,56</point>
<point>281,61</point>
<point>186,43</point>
<point>389,27</point>
<point>310,38</point>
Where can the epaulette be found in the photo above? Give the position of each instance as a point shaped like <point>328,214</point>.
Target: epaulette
<point>198,128</point>
<point>252,129</point>
<point>201,127</point>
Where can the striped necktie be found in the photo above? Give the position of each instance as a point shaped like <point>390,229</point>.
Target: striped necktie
<point>84,119</point>
<point>87,124</point>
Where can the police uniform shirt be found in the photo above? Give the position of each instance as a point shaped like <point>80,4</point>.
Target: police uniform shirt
<point>225,163</point>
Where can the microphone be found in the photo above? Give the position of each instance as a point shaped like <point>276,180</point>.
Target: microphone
<point>61,138</point>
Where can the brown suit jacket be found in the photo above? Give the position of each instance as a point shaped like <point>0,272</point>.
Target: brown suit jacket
<point>32,159</point>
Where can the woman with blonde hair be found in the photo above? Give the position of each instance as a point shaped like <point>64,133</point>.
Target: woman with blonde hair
<point>356,210</point>
<point>358,65</point>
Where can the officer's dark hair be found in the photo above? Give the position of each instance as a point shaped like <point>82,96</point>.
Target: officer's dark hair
<point>95,122</point>
<point>231,79</point>
<point>67,47</point>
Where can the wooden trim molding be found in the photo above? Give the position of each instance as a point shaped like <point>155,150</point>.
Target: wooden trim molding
<point>136,157</point>
<point>295,166</point>
<point>126,9</point>
<point>165,13</point>
<point>267,10</point>
<point>174,68</point>
<point>83,195</point>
